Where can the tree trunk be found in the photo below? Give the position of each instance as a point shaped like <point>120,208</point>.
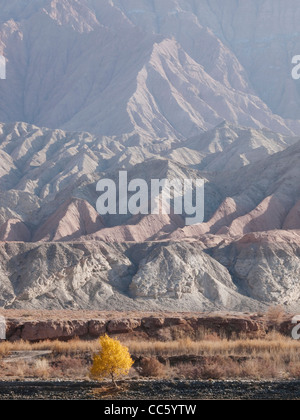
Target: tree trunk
<point>113,381</point>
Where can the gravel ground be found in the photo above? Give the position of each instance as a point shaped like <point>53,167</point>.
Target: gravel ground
<point>151,390</point>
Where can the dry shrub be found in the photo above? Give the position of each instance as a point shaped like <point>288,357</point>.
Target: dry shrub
<point>19,369</point>
<point>294,370</point>
<point>275,315</point>
<point>72,347</point>
<point>204,334</point>
<point>152,368</point>
<point>231,369</point>
<point>6,347</point>
<point>41,369</point>
<point>22,369</point>
<point>213,337</point>
<point>211,370</point>
<point>65,367</point>
<point>188,371</point>
<point>275,337</point>
<point>259,369</point>
<point>71,367</point>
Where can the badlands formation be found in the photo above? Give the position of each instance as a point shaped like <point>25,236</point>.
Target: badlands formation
<point>172,89</point>
<point>57,252</point>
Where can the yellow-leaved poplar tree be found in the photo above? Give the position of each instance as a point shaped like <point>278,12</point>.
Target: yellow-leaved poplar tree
<point>113,360</point>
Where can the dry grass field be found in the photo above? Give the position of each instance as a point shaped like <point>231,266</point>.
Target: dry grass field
<point>210,357</point>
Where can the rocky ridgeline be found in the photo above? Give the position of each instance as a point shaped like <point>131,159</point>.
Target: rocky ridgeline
<point>154,327</point>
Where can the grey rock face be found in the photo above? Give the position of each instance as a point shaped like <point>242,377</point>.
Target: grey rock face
<point>100,276</point>
<point>265,266</point>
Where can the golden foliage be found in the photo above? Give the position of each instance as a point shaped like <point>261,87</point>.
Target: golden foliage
<point>113,360</point>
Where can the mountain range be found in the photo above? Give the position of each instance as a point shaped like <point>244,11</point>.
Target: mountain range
<point>155,69</point>
<point>171,89</point>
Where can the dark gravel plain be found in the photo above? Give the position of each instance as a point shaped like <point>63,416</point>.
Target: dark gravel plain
<point>151,390</point>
